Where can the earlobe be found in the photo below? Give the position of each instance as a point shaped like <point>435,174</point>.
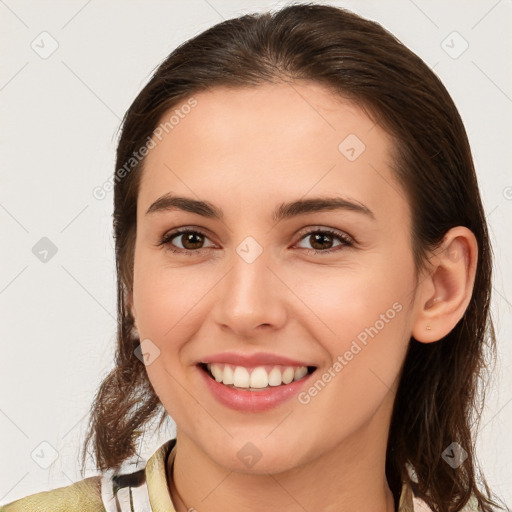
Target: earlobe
<point>443,296</point>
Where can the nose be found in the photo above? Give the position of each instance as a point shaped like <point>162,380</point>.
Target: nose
<point>250,297</point>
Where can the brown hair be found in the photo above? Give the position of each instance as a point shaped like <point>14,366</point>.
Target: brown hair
<point>356,59</point>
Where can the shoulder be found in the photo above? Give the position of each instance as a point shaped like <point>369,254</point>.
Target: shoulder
<point>125,490</point>
<point>409,502</point>
<point>81,496</point>
<point>471,506</point>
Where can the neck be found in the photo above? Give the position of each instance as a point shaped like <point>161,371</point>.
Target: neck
<point>349,478</point>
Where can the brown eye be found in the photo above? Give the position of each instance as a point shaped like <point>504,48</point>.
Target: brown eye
<point>191,241</point>
<point>322,241</point>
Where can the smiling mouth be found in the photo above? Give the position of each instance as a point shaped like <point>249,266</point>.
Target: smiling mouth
<point>258,378</point>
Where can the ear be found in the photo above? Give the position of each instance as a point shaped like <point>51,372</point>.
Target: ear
<point>445,291</point>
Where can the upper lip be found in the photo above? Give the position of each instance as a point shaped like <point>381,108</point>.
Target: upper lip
<point>256,359</point>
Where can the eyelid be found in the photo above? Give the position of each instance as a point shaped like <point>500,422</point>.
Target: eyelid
<point>346,239</point>
<point>333,231</point>
<point>174,233</point>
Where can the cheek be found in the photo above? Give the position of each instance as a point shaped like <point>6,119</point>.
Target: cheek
<point>357,301</point>
<point>164,299</point>
<point>365,324</point>
<point>366,342</point>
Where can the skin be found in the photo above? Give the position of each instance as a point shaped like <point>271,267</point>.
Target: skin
<point>246,151</point>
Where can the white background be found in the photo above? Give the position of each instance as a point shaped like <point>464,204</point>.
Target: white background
<point>59,118</point>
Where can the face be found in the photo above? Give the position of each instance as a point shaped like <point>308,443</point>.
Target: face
<point>263,287</point>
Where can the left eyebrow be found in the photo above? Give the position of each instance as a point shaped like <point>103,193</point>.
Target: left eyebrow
<point>169,202</point>
<point>318,204</point>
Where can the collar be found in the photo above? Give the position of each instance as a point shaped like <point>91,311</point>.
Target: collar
<point>160,498</point>
<point>147,489</point>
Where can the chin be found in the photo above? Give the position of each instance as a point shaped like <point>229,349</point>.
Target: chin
<point>257,456</point>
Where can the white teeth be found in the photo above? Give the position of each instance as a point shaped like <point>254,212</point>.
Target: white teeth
<point>259,378</point>
<point>274,377</point>
<point>240,377</point>
<point>228,375</point>
<point>217,373</point>
<point>288,375</point>
<point>299,372</point>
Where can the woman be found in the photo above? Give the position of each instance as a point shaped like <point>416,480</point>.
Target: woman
<point>301,376</point>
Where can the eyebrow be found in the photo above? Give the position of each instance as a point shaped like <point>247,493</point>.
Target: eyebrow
<point>169,202</point>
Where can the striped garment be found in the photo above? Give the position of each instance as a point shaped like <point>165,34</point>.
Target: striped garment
<point>144,490</point>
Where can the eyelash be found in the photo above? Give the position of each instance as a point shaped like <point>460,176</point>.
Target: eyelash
<point>166,241</point>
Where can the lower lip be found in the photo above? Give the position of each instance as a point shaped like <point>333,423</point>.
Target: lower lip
<point>253,401</point>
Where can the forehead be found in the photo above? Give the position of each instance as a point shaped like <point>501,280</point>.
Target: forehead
<point>254,144</point>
